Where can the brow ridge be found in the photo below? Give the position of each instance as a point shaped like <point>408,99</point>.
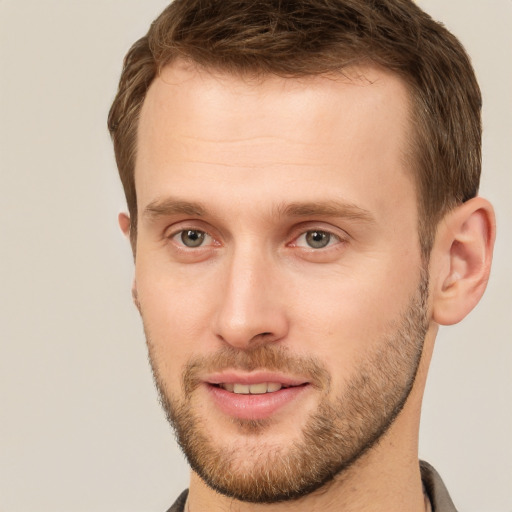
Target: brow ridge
<point>172,206</point>
<point>330,208</point>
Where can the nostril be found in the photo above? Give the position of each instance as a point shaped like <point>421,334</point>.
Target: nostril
<point>263,337</point>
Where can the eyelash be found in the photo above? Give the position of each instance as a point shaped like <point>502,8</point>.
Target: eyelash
<point>180,233</point>
<point>303,233</point>
<point>325,236</point>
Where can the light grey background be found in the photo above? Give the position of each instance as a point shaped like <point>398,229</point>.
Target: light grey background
<point>80,427</point>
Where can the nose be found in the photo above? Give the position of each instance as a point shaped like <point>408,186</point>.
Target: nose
<point>250,308</point>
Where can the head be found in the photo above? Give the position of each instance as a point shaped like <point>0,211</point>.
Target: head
<point>246,38</point>
<point>286,172</point>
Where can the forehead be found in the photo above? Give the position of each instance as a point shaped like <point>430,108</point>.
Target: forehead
<point>198,123</point>
<point>184,90</point>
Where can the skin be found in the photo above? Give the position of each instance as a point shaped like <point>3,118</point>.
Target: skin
<point>247,152</point>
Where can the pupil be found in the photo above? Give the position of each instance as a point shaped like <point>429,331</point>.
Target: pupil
<point>318,239</point>
<point>192,238</point>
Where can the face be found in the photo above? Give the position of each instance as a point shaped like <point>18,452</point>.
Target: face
<point>278,271</point>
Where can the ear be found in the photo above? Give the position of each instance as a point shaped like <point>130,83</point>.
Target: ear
<point>461,260</point>
<point>124,224</point>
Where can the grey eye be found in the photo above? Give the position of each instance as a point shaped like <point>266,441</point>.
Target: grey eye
<point>192,237</point>
<point>318,239</point>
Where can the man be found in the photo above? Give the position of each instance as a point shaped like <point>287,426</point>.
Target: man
<point>301,180</point>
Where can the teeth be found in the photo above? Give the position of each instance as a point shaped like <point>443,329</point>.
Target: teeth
<point>241,389</point>
<point>252,389</point>
<point>258,389</point>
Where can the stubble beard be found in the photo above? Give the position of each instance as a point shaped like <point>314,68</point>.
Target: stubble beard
<point>336,435</point>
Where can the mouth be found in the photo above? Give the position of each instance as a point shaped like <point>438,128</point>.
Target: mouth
<point>259,388</point>
<point>254,396</point>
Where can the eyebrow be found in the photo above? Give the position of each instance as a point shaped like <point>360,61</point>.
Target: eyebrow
<point>170,206</point>
<point>331,208</point>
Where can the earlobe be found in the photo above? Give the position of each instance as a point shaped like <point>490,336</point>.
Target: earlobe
<point>461,260</point>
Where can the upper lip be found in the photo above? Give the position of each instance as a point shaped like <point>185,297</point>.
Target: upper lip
<point>257,377</point>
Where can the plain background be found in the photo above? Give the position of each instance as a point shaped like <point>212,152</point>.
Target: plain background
<point>80,426</point>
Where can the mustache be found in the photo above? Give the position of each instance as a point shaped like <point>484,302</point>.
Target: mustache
<point>261,357</point>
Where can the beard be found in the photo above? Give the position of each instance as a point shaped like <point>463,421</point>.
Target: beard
<point>336,434</point>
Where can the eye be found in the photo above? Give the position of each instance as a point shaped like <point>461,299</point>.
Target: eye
<point>192,238</point>
<point>316,239</point>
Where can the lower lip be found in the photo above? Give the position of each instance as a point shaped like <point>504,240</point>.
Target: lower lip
<point>254,407</point>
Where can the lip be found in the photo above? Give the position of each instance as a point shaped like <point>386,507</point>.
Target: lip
<point>254,407</point>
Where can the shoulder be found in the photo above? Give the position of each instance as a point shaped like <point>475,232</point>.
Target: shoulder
<point>436,490</point>
<point>179,504</point>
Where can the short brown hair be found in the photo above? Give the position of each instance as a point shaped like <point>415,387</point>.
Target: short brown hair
<point>311,37</point>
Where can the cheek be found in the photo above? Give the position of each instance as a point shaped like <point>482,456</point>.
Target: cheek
<point>346,317</point>
<point>176,314</point>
